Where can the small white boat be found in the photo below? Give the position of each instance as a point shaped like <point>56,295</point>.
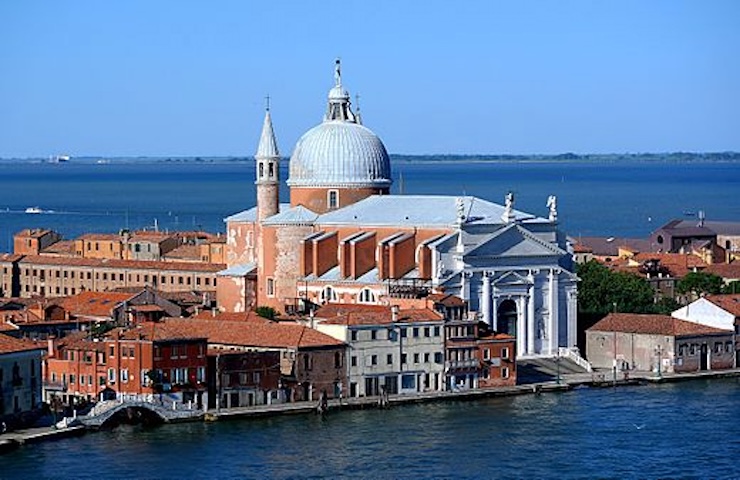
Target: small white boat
<point>34,210</point>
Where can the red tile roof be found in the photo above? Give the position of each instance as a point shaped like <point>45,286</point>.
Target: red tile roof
<point>447,299</point>
<point>158,332</point>
<point>10,344</point>
<point>79,341</point>
<point>353,314</point>
<point>677,263</point>
<point>99,236</point>
<point>729,303</point>
<point>230,316</point>
<point>255,334</point>
<point>149,236</point>
<point>728,271</point>
<point>97,304</point>
<point>62,247</point>
<point>187,252</point>
<point>33,232</point>
<point>651,325</point>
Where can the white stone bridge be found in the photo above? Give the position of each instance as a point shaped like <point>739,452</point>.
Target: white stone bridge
<point>105,410</point>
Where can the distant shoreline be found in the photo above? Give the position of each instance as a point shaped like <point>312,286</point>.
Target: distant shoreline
<point>668,158</point>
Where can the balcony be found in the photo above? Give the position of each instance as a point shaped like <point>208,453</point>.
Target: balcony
<point>413,288</point>
<point>55,386</point>
<point>470,364</point>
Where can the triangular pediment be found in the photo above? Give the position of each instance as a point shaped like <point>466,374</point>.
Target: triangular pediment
<point>514,241</point>
<point>511,278</point>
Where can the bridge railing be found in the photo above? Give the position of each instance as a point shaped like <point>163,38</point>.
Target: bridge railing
<point>574,357</point>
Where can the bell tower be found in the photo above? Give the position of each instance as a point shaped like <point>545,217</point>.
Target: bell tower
<point>267,161</point>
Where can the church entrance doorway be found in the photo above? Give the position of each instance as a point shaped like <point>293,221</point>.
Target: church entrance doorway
<point>506,317</point>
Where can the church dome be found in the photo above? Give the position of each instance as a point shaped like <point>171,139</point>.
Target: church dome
<point>340,151</point>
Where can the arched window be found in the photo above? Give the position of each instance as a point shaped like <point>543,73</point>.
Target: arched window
<point>328,294</point>
<point>366,296</point>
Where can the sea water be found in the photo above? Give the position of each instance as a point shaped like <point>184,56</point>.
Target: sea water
<point>628,198</point>
<point>680,430</point>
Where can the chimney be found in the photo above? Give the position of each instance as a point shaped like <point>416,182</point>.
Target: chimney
<point>50,350</point>
<point>394,313</point>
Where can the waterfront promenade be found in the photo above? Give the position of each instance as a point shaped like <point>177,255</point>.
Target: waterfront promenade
<point>12,440</point>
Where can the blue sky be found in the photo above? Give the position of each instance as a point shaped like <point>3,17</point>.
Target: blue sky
<point>189,78</point>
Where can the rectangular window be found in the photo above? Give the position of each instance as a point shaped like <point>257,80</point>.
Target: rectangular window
<point>486,354</point>
<point>436,331</point>
<point>426,360</point>
<point>408,382</point>
<point>112,351</point>
<point>389,359</point>
<point>270,287</point>
<point>505,353</point>
<point>416,332</point>
<point>374,360</point>
<point>124,375</point>
<point>505,372</point>
<point>403,332</point>
<point>403,358</point>
<point>353,335</point>
<point>200,375</point>
<point>438,357</point>
<point>71,379</point>
<point>373,334</point>
<point>427,331</point>
<point>353,361</point>
<point>333,199</point>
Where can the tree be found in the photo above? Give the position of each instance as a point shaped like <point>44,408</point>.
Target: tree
<point>602,291</point>
<point>732,287</point>
<point>699,283</point>
<point>266,312</point>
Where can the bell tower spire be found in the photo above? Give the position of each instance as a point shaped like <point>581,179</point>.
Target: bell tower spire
<point>267,160</point>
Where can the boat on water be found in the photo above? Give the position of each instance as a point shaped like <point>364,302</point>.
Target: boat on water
<point>34,210</point>
<point>59,158</point>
